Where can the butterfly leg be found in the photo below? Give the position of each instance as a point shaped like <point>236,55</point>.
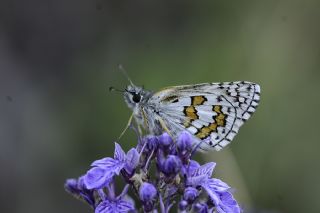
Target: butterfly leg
<point>127,126</point>
<point>140,130</point>
<point>164,126</point>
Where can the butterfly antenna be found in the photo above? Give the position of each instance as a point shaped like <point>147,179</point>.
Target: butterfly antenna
<point>124,72</point>
<point>112,89</point>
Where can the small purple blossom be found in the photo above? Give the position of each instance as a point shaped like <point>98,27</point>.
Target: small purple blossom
<point>132,161</point>
<point>165,141</point>
<point>151,143</point>
<point>171,165</point>
<point>201,208</point>
<point>103,170</point>
<point>77,189</point>
<point>147,194</point>
<point>111,204</point>
<point>228,203</point>
<point>184,144</point>
<point>176,176</point>
<point>114,206</point>
<point>190,194</point>
<point>183,205</point>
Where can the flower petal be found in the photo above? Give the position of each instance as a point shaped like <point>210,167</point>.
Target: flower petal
<point>197,180</point>
<point>75,187</point>
<point>109,164</point>
<point>71,186</point>
<point>214,187</point>
<point>116,206</point>
<point>217,185</point>
<point>104,162</point>
<point>151,143</point>
<point>189,169</point>
<point>228,204</point>
<point>124,206</point>
<point>119,154</point>
<point>205,169</point>
<point>200,207</point>
<point>97,178</point>
<point>132,160</point>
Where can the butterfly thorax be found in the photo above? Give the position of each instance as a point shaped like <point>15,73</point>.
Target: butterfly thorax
<point>137,100</point>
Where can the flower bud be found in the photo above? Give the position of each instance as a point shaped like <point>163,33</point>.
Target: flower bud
<point>147,194</point>
<point>171,165</point>
<point>132,161</point>
<point>76,188</point>
<point>165,141</point>
<point>71,185</point>
<point>183,205</point>
<point>189,169</point>
<point>190,194</point>
<point>152,143</point>
<point>160,158</point>
<point>201,208</point>
<point>184,143</point>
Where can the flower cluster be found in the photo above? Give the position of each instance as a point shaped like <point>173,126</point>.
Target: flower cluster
<point>160,172</point>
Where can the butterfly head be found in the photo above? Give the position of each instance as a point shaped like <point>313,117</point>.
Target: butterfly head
<point>134,95</point>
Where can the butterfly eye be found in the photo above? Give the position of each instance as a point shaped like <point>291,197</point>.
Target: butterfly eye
<point>136,97</point>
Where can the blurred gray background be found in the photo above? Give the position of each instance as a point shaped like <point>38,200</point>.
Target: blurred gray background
<point>58,58</point>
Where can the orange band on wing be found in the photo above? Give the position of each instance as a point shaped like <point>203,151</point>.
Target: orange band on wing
<point>198,100</point>
<point>220,120</point>
<point>190,111</point>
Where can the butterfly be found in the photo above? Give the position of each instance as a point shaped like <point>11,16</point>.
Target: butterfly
<point>211,112</point>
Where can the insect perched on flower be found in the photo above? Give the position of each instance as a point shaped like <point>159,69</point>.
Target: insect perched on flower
<point>211,112</point>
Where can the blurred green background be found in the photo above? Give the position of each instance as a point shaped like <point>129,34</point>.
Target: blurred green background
<point>58,58</point>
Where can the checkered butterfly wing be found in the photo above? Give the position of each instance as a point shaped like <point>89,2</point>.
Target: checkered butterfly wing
<point>212,112</point>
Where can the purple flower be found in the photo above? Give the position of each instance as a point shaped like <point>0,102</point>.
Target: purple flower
<point>188,169</point>
<point>171,165</point>
<point>77,189</point>
<point>132,161</point>
<point>148,148</point>
<point>198,175</point>
<point>228,204</point>
<point>147,194</point>
<point>151,143</point>
<point>205,169</point>
<point>97,178</point>
<point>176,177</point>
<point>190,194</point>
<point>200,208</point>
<point>215,188</point>
<point>116,206</point>
<point>184,143</point>
<point>165,141</point>
<point>104,169</point>
<point>183,205</point>
<point>112,204</point>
